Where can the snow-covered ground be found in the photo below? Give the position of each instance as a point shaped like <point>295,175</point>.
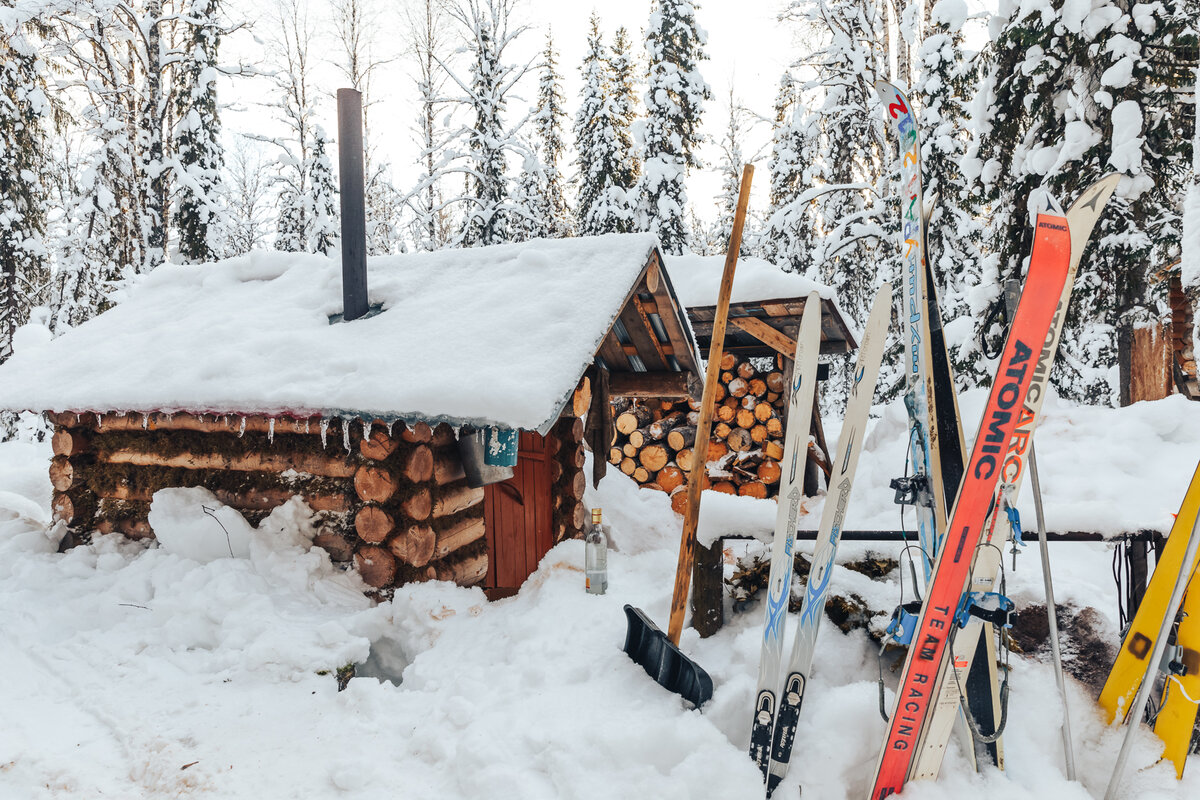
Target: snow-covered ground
<point>140,672</point>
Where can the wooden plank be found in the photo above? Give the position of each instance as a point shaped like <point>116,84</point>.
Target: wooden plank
<point>664,348</point>
<point>613,354</point>
<point>775,309</point>
<point>672,316</point>
<point>765,333</point>
<point>641,335</point>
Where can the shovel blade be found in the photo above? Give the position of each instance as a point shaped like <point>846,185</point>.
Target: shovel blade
<point>663,661</point>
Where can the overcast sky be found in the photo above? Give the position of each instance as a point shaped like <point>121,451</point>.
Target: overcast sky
<point>748,49</point>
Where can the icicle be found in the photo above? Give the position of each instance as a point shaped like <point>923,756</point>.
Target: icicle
<point>145,422</point>
<point>307,423</point>
<point>242,428</point>
<point>346,433</point>
<point>366,429</point>
<point>391,424</point>
<point>271,431</point>
<point>99,421</point>
<point>324,431</point>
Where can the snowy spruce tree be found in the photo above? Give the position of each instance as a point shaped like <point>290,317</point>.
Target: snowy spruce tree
<point>851,187</point>
<point>675,98</point>
<point>24,115</point>
<point>787,236</point>
<point>603,204</point>
<point>551,218</point>
<point>967,281</point>
<point>291,229</point>
<point>197,137</point>
<point>487,26</point>
<point>323,230</point>
<point>623,83</point>
<point>730,168</point>
<point>1101,95</point>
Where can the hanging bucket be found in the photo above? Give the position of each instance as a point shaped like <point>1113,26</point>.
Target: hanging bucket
<point>500,447</point>
<point>473,453</point>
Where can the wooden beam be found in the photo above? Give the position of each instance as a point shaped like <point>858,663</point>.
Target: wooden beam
<point>765,333</point>
<point>641,335</point>
<point>679,385</point>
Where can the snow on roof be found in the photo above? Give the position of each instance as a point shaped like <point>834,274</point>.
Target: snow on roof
<point>495,335</point>
<point>697,280</point>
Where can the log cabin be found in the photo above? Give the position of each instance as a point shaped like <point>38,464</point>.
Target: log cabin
<point>438,437</point>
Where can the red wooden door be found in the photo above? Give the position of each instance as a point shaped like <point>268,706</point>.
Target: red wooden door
<point>517,514</point>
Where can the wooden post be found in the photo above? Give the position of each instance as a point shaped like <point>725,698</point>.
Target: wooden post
<point>687,545</point>
<point>708,595</point>
<point>354,215</point>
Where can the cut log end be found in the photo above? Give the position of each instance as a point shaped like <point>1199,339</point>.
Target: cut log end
<point>376,565</point>
<point>373,524</point>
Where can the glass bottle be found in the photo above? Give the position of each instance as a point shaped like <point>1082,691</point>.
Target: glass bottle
<point>596,556</point>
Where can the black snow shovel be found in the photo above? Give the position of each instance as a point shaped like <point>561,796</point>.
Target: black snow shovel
<point>646,644</point>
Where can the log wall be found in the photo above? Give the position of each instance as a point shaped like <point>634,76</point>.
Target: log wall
<point>393,501</point>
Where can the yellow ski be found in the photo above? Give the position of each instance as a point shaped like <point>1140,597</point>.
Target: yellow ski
<point>1177,714</point>
<point>1126,675</point>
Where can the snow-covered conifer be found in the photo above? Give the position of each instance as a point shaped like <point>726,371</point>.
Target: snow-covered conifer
<point>787,236</point>
<point>624,93</point>
<point>487,26</point>
<point>548,128</point>
<point>731,165</point>
<point>1072,93</point>
<point>197,136</point>
<point>602,205</point>
<point>323,228</point>
<point>291,230</point>
<point>675,98</point>
<point>24,107</point>
<point>966,280</point>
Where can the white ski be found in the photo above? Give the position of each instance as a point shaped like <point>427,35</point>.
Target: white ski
<point>779,585</point>
<point>841,479</point>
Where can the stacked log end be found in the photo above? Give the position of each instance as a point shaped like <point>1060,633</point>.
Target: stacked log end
<point>655,440</point>
<point>564,446</point>
<point>416,518</point>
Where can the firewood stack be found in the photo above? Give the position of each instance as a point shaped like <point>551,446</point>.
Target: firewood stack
<point>395,501</point>
<point>655,440</point>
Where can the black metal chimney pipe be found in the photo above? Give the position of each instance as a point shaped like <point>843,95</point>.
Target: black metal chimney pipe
<point>354,213</point>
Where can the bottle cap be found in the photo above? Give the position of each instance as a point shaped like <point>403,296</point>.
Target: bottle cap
<point>596,516</point>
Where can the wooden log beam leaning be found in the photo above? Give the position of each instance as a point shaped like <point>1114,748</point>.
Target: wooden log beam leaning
<point>766,334</point>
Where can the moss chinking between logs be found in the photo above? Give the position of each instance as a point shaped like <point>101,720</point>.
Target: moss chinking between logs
<point>169,443</point>
<point>105,478</point>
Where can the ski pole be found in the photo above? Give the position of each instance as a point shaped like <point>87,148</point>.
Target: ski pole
<point>1160,644</point>
<point>1051,613</point>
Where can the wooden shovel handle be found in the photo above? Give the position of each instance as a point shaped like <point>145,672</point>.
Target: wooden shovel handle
<point>687,545</point>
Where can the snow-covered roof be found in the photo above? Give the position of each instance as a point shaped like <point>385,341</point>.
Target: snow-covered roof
<point>497,335</point>
<point>697,280</point>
